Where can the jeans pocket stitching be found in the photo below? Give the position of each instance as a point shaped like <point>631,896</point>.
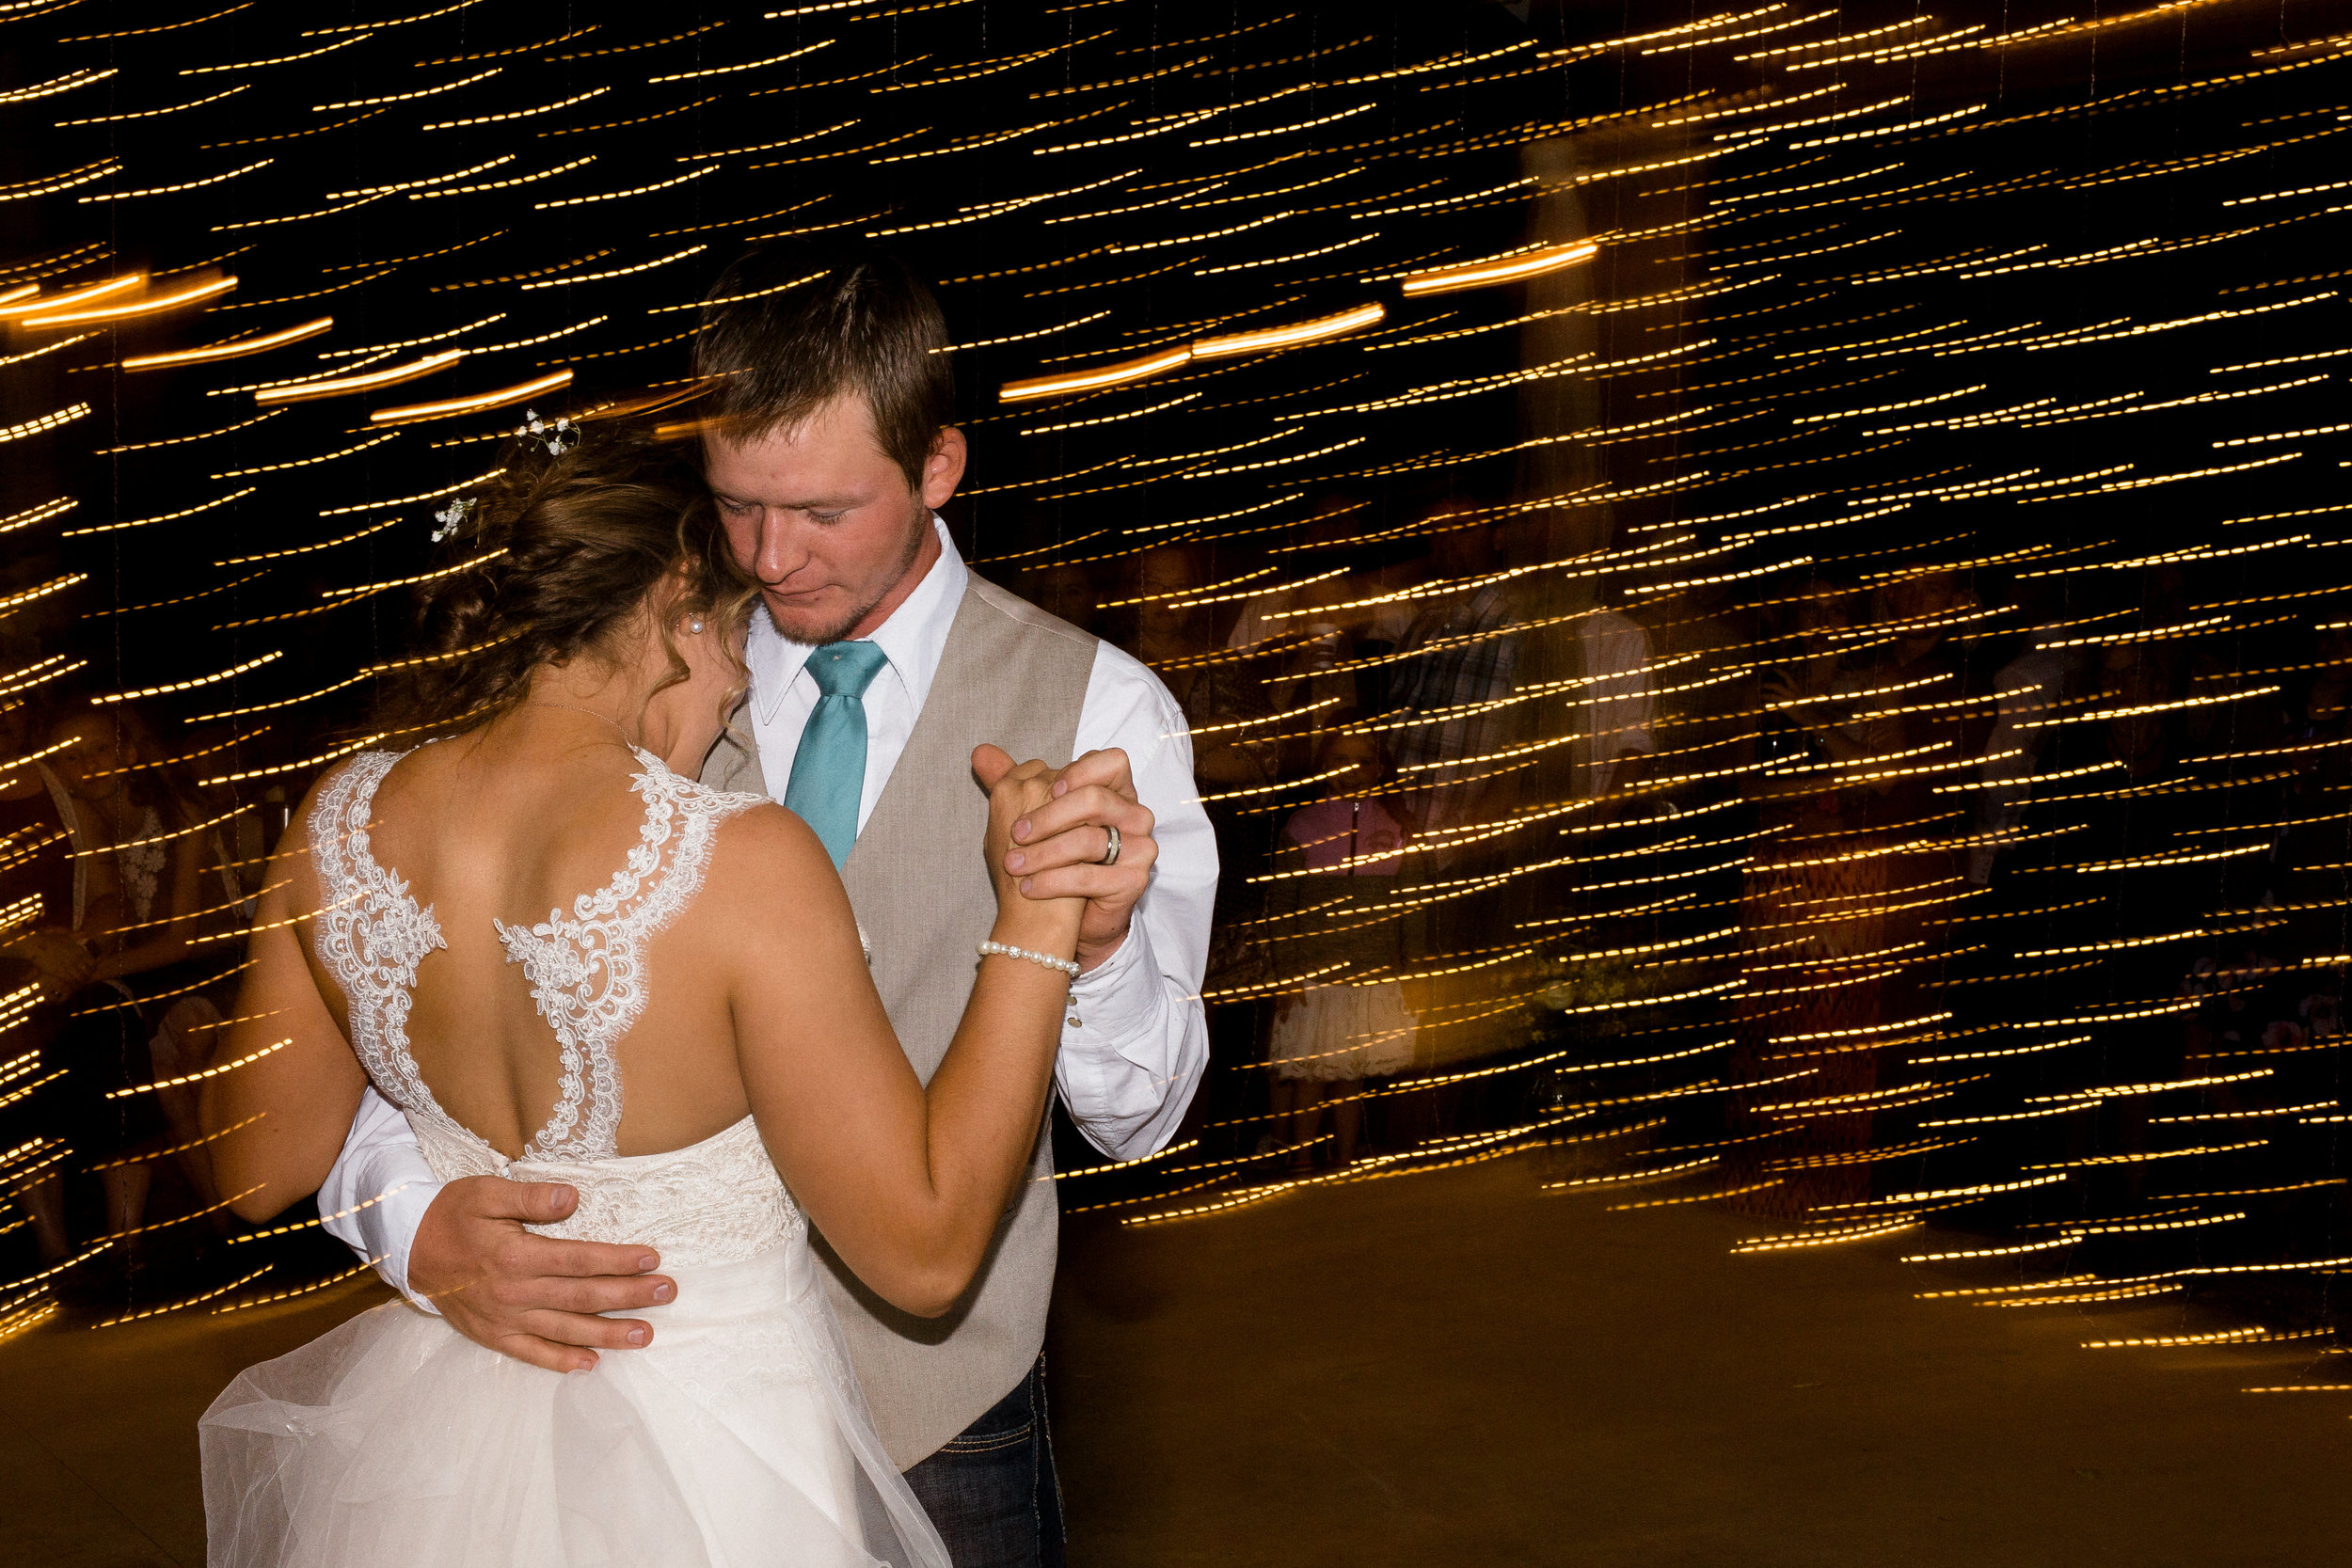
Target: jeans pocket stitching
<point>987,1442</point>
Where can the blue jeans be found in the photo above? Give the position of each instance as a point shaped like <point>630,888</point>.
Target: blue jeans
<point>991,1490</point>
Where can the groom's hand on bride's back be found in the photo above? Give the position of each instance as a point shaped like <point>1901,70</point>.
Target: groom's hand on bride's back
<point>533,1297</point>
<point>1057,849</point>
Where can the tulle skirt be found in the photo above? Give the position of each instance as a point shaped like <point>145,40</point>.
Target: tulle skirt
<point>1337,1033</point>
<point>738,1438</point>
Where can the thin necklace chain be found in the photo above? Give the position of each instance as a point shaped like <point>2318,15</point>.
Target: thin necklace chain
<point>590,713</point>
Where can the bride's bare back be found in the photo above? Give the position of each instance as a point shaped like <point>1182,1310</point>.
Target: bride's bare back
<point>488,835</point>
<point>751,996</point>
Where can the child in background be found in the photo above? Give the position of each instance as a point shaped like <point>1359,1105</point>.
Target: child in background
<point>1350,1023</point>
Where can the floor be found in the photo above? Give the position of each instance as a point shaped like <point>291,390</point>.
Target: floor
<point>1460,1367</point>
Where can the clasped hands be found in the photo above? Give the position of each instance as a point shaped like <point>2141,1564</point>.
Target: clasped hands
<point>542,1300</point>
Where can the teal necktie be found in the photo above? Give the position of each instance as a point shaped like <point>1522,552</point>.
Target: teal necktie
<point>829,769</point>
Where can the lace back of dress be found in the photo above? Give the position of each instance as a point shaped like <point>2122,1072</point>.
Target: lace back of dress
<point>371,933</point>
<point>587,969</point>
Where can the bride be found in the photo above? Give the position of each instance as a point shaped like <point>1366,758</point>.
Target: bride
<point>568,961</point>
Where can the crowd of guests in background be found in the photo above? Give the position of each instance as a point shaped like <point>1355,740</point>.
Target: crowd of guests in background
<point>1364,718</point>
<point>124,887</point>
<point>1349,688</point>
<point>2042,797</point>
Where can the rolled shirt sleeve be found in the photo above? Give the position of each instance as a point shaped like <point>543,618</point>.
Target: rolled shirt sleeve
<point>1135,1041</point>
<point>376,1196</point>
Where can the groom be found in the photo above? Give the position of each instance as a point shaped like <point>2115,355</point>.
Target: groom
<point>880,663</point>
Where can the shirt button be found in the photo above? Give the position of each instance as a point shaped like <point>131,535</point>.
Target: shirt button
<point>1073,1022</point>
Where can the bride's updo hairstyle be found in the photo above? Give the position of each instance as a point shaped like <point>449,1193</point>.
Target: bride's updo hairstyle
<point>561,558</point>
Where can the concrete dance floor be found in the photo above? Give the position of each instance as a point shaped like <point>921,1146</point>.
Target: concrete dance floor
<point>1458,1369</point>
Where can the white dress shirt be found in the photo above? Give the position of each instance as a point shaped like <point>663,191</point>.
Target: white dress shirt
<point>1135,1041</point>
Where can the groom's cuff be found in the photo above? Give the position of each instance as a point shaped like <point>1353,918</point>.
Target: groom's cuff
<point>1117,1004</point>
<point>402,1208</point>
<point>375,1196</point>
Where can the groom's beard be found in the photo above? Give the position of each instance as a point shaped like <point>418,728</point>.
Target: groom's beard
<point>813,633</point>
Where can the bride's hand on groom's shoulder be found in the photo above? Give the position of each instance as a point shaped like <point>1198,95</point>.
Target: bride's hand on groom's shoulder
<point>1018,792</point>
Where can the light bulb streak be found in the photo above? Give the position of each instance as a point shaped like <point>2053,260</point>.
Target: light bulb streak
<point>747,64</point>
<point>438,191</point>
<point>1626,1178</point>
<point>1714,1196</point>
<point>81,77</point>
<point>161,517</point>
<point>2149,1156</point>
<point>2074,1298</point>
<point>184,186</point>
<point>2222,1336</point>
<point>2064,1241</point>
<point>404,97</point>
<point>428,180</point>
<point>216,1071</point>
<point>1804,1239</point>
<point>1142,76</point>
<point>198,1299</point>
<point>1829,43</point>
<point>1475,274</point>
<point>303,379</point>
<point>367,588</point>
<point>46,511</point>
<point>50,185</point>
<point>2251,1116</point>
<point>502,397</point>
<point>146,305</point>
<point>275,1296</point>
<point>2014,1116</point>
<point>8,360</point>
<point>1987,1189</point>
<point>410,500</point>
<point>150,114</point>
<point>1752,32</point>
<point>2100,716</point>
<point>517,114</point>
<point>2125,1227</point>
<point>2288,1187</point>
<point>1704,23</point>
<point>165,838</point>
<point>2034,1049</point>
<point>370,381</point>
<point>234,350</point>
<point>1919,1023</point>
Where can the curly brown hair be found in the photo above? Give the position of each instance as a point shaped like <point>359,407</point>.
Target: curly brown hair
<point>556,560</point>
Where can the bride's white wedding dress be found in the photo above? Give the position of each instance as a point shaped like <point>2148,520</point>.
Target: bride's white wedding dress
<point>739,1436</point>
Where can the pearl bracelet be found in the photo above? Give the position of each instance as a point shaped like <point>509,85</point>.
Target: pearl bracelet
<point>1004,949</point>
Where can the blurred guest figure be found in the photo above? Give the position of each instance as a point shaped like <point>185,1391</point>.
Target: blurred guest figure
<point>1344,853</point>
<point>2025,690</point>
<point>1309,627</point>
<point>1618,704</point>
<point>1220,693</point>
<point>1464,648</point>
<point>123,888</point>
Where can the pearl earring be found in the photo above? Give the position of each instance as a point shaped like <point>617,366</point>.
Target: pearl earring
<point>694,626</point>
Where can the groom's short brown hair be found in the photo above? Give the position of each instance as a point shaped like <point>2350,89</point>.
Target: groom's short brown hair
<point>787,328</point>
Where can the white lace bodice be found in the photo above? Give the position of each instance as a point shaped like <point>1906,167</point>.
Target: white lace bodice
<point>587,972</point>
<point>717,1200</point>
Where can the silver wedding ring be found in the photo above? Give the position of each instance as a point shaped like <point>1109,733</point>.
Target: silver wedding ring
<point>1110,856</point>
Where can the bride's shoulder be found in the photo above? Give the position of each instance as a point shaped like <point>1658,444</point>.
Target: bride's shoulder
<point>771,888</point>
<point>763,848</point>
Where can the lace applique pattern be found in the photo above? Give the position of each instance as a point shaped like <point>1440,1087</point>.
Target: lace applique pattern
<point>372,934</point>
<point>587,969</point>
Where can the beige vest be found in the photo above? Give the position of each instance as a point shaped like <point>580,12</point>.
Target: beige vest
<point>1012,674</point>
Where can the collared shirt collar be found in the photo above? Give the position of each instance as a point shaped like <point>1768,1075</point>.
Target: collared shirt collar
<point>913,638</point>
